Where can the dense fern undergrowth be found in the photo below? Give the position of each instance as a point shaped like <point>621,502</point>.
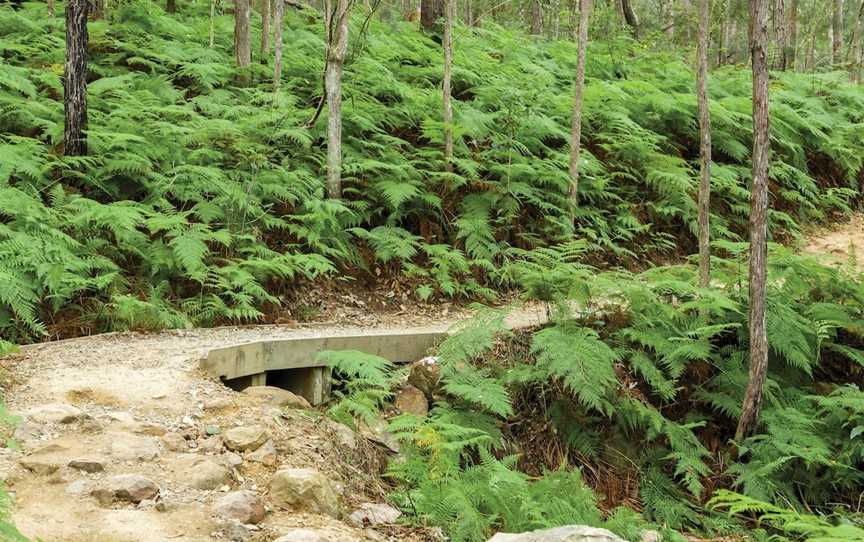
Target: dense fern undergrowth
<point>621,412</point>
<point>202,199</point>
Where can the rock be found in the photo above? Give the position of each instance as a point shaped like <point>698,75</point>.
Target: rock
<point>211,444</point>
<point>411,400</point>
<point>27,432</point>
<point>649,535</point>
<point>212,430</point>
<point>304,535</point>
<point>218,404</point>
<point>148,428</point>
<point>104,496</point>
<point>204,473</point>
<point>241,439</point>
<point>277,396</point>
<point>375,514</point>
<point>77,488</point>
<point>232,460</point>
<point>174,442</point>
<point>377,432</point>
<point>304,489</point>
<point>87,464</point>
<point>132,488</point>
<point>54,413</point>
<point>128,447</point>
<point>234,531</point>
<point>425,375</point>
<point>568,533</point>
<point>266,454</point>
<point>242,506</point>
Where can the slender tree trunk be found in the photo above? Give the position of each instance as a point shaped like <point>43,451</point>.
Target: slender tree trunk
<point>449,13</point>
<point>837,33</point>
<point>555,22</point>
<point>855,51</point>
<point>630,16</point>
<point>337,29</point>
<point>758,221</point>
<point>430,12</point>
<point>704,145</point>
<point>51,9</point>
<point>171,6</point>
<point>469,14</point>
<point>75,79</point>
<point>212,23</point>
<point>536,17</point>
<point>576,123</point>
<point>277,43</point>
<point>792,56</point>
<point>726,33</point>
<point>778,15</point>
<point>265,29</point>
<point>242,45</point>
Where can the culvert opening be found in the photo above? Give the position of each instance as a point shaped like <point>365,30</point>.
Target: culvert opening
<point>311,383</point>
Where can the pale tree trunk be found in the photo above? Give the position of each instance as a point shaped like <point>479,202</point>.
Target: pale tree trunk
<point>576,123</point>
<point>75,79</point>
<point>855,50</point>
<point>212,23</point>
<point>430,12</point>
<point>837,33</point>
<point>667,16</point>
<point>51,8</point>
<point>792,56</point>
<point>536,17</point>
<point>778,13</point>
<point>277,43</point>
<point>704,145</point>
<point>242,45</point>
<point>630,16</point>
<point>449,13</point>
<point>469,14</point>
<point>265,29</point>
<point>337,44</point>
<point>726,32</point>
<point>555,22</point>
<point>758,222</point>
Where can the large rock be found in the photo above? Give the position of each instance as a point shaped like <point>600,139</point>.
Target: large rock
<point>242,506</point>
<point>203,473</point>
<point>88,464</point>
<point>277,396</point>
<point>411,400</point>
<point>54,413</point>
<point>132,488</point>
<point>378,432</point>
<point>425,375</point>
<point>174,442</point>
<point>568,533</point>
<point>128,447</point>
<point>265,455</point>
<point>304,489</point>
<point>241,439</point>
<point>45,460</point>
<point>375,514</point>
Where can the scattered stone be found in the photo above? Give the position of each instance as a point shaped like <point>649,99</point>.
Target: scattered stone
<point>212,430</point>
<point>27,431</point>
<point>148,428</point>
<point>128,447</point>
<point>568,533</point>
<point>104,496</point>
<point>132,488</point>
<point>241,439</point>
<point>425,375</point>
<point>265,455</point>
<point>146,504</point>
<point>232,460</point>
<point>204,473</point>
<point>304,489</point>
<point>277,396</point>
<point>174,442</point>
<point>78,488</point>
<point>304,535</point>
<point>242,506</point>
<point>346,436</point>
<point>54,413</point>
<point>649,535</point>
<point>234,531</point>
<point>89,424</point>
<point>377,432</point>
<point>87,464</point>
<point>411,400</point>
<point>375,514</point>
<point>218,404</point>
<point>42,466</point>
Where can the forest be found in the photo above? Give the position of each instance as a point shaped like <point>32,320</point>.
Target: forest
<point>646,171</point>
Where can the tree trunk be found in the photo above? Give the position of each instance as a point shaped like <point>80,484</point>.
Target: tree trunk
<point>212,23</point>
<point>337,31</point>
<point>630,16</point>
<point>242,45</point>
<point>171,6</point>
<point>758,221</point>
<point>536,17</point>
<point>97,10</point>
<point>469,14</point>
<point>449,13</point>
<point>837,33</point>
<point>778,15</point>
<point>576,123</point>
<point>792,56</point>
<point>430,12</point>
<point>75,79</point>
<point>51,9</point>
<point>704,145</point>
<point>265,29</point>
<point>726,33</point>
<point>855,50</point>
<point>277,44</point>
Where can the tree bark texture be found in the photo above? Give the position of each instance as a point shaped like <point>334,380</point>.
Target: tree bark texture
<point>449,14</point>
<point>171,6</point>
<point>430,12</point>
<point>630,16</point>
<point>576,121</point>
<point>337,44</point>
<point>242,45</point>
<point>792,56</point>
<point>536,17</point>
<point>758,222</point>
<point>265,29</point>
<point>75,79</point>
<point>277,43</point>
<point>704,144</point>
<point>837,33</point>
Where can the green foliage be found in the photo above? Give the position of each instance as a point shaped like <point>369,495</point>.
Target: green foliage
<point>362,383</point>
